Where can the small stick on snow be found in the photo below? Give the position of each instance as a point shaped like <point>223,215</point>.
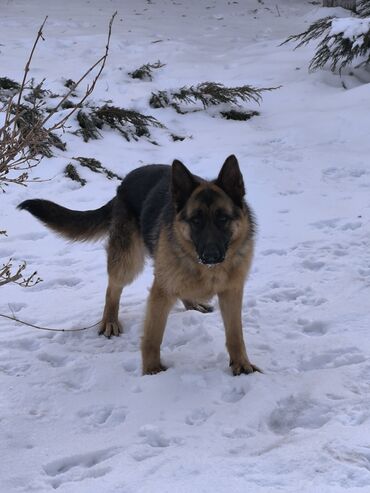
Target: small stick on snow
<point>48,328</point>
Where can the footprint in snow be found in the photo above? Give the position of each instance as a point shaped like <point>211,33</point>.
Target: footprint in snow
<point>66,282</point>
<point>23,344</point>
<point>353,458</point>
<point>340,251</point>
<point>326,224</point>
<point>54,360</point>
<point>351,226</point>
<point>99,416</point>
<point>342,173</point>
<point>155,437</point>
<point>197,417</point>
<point>142,452</point>
<point>16,307</point>
<point>76,468</point>
<point>235,393</point>
<point>333,358</point>
<point>75,379</point>
<point>237,433</point>
<point>297,412</point>
<point>304,296</point>
<point>313,327</point>
<point>64,261</point>
<point>14,369</point>
<point>32,236</point>
<point>314,265</point>
<point>274,251</point>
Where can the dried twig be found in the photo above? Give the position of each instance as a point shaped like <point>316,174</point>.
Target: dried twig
<point>102,60</point>
<point>25,73</point>
<point>20,144</point>
<point>47,328</point>
<point>7,275</point>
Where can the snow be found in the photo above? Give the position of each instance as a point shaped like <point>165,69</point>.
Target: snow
<point>76,416</point>
<point>350,28</point>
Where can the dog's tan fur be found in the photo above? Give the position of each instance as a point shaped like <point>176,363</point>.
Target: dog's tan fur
<point>178,274</point>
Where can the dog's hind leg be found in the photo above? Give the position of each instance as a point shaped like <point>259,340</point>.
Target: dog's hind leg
<point>125,261</point>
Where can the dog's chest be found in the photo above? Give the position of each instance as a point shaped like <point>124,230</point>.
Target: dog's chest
<point>199,283</point>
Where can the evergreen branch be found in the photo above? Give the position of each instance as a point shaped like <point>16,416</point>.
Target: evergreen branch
<point>363,8</point>
<point>129,123</point>
<point>96,166</point>
<point>208,94</point>
<point>145,71</point>
<point>344,41</point>
<point>316,30</point>
<point>71,172</point>
<point>340,51</point>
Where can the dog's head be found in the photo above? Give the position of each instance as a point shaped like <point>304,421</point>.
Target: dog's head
<point>210,215</point>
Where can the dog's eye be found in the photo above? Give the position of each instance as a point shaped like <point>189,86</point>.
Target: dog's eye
<point>222,219</point>
<point>196,220</point>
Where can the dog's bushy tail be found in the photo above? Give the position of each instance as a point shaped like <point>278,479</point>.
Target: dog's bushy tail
<point>74,225</point>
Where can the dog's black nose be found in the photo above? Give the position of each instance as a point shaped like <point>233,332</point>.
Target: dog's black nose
<point>212,255</point>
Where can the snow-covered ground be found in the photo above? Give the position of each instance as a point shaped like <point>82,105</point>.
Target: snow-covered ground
<point>76,415</point>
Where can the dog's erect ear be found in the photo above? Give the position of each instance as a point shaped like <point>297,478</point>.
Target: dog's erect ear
<point>231,180</point>
<point>183,184</point>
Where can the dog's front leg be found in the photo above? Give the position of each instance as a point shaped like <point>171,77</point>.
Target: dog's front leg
<point>231,309</point>
<point>159,306</point>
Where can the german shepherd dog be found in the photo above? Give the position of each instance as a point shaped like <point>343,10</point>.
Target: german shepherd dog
<point>199,233</point>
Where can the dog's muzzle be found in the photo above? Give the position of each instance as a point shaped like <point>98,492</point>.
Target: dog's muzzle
<point>211,254</point>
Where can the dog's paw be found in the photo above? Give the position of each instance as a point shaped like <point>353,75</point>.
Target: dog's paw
<point>203,308</point>
<point>153,369</point>
<point>243,367</point>
<point>109,329</point>
<point>199,307</point>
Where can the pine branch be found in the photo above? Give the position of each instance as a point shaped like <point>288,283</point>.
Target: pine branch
<point>129,123</point>
<point>145,72</point>
<point>208,94</point>
<point>89,125</point>
<point>71,172</point>
<point>238,115</point>
<point>96,166</point>
<point>316,30</point>
<point>363,8</point>
<point>8,89</point>
<point>344,41</point>
<point>9,84</point>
